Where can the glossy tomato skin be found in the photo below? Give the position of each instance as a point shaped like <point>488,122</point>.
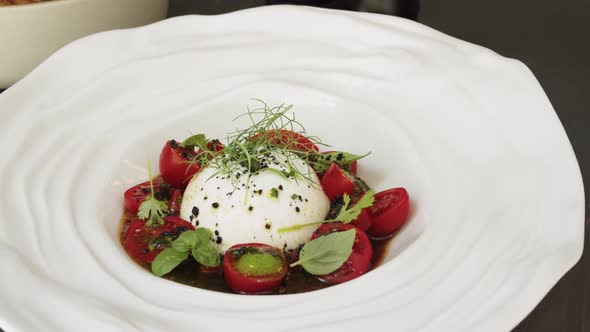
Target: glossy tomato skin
<point>336,182</point>
<point>175,202</point>
<point>135,195</point>
<point>177,165</point>
<point>390,211</point>
<point>351,168</point>
<point>138,236</point>
<point>295,140</point>
<point>364,220</point>
<point>359,261</point>
<point>245,284</point>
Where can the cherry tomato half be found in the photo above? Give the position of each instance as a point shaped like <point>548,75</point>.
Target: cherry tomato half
<point>294,140</point>
<point>359,261</point>
<point>365,218</point>
<point>390,211</point>
<point>351,168</point>
<point>145,243</point>
<point>336,182</point>
<point>135,195</point>
<point>254,268</point>
<point>177,165</point>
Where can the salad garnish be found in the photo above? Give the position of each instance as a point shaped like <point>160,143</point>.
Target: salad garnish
<point>326,253</point>
<point>152,209</point>
<point>272,130</point>
<point>197,242</point>
<point>345,215</point>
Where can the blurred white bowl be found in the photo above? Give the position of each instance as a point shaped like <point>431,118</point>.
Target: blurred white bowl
<point>30,33</point>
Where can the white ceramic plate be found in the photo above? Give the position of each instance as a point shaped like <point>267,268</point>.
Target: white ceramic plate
<point>497,194</point>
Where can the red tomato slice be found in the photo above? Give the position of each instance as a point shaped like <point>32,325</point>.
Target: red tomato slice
<point>215,145</point>
<point>175,202</point>
<point>177,165</point>
<point>390,211</point>
<point>351,168</point>
<point>253,282</point>
<point>294,140</point>
<point>365,219</point>
<point>359,261</point>
<point>336,182</point>
<point>138,237</point>
<point>135,195</point>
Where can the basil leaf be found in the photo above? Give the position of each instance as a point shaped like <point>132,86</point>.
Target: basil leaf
<point>203,236</point>
<point>199,140</point>
<point>185,242</point>
<point>167,260</point>
<point>326,253</point>
<point>206,255</point>
<point>339,157</point>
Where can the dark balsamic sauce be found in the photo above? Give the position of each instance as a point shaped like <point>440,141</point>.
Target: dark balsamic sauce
<point>297,280</point>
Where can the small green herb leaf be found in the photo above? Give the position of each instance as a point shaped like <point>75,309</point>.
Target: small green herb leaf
<point>152,209</point>
<point>347,215</point>
<point>199,141</point>
<point>185,242</point>
<point>206,255</point>
<point>167,260</point>
<point>326,253</point>
<point>341,158</point>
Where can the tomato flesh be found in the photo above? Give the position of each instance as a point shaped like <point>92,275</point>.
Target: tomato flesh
<point>247,278</point>
<point>336,182</point>
<point>390,211</point>
<point>177,164</point>
<point>138,238</point>
<point>359,261</point>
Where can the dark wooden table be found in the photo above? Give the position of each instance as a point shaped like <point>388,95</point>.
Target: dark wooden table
<point>553,39</point>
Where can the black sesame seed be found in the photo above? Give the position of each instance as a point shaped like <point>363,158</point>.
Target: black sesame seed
<point>216,232</point>
<point>267,226</point>
<point>195,211</point>
<point>215,205</point>
<point>250,208</point>
<point>300,198</point>
<point>281,187</point>
<point>219,239</point>
<point>205,198</point>
<point>297,209</point>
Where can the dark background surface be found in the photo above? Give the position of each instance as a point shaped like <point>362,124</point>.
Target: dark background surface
<point>553,39</point>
